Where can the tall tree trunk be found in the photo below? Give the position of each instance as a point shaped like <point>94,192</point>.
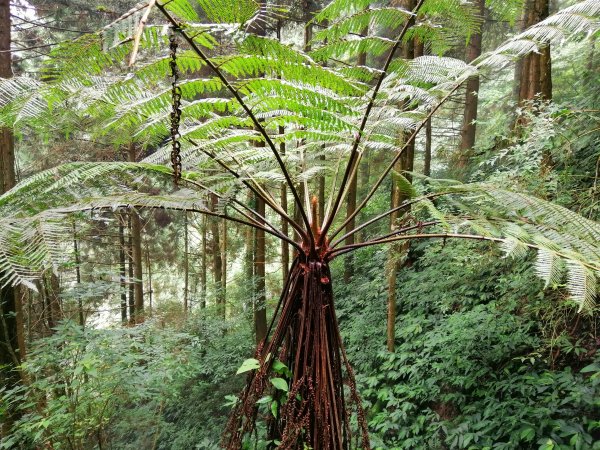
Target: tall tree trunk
<point>249,261</point>
<point>186,263</point>
<point>535,79</point>
<point>149,268</point>
<point>217,261</point>
<point>130,271</point>
<point>136,234</point>
<point>404,164</point>
<point>351,199</point>
<point>427,157</point>
<point>9,330</point>
<point>78,277</point>
<point>285,247</point>
<point>203,266</point>
<point>136,254</point>
<point>224,243</point>
<point>51,286</point>
<point>260,307</point>
<point>365,182</point>
<point>467,132</point>
<point>122,269</point>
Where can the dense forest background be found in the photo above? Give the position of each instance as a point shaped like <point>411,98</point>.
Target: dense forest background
<point>133,342</point>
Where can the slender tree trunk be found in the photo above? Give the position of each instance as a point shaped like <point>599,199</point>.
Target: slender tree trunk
<point>136,254</point>
<point>203,266</point>
<point>365,182</point>
<point>130,271</point>
<point>122,269</point>
<point>78,277</point>
<point>350,208</point>
<point>51,285</point>
<point>285,247</point>
<point>249,261</point>
<point>9,312</point>
<point>224,243</point>
<point>149,267</point>
<point>351,199</point>
<point>217,261</point>
<point>186,263</point>
<point>467,133</point>
<point>427,158</point>
<point>260,307</point>
<point>136,231</point>
<point>404,164</point>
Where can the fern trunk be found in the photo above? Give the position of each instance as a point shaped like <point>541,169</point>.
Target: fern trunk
<point>314,411</point>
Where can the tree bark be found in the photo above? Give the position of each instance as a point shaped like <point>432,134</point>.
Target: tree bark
<point>130,271</point>
<point>122,269</point>
<point>203,266</point>
<point>186,264</point>
<point>136,254</point>
<point>149,268</point>
<point>11,312</point>
<point>427,157</point>
<point>285,248</point>
<point>217,261</point>
<point>249,261</point>
<point>468,130</point>
<point>78,277</point>
<point>51,286</point>
<point>224,243</point>
<point>535,78</point>
<point>260,309</point>
<point>404,164</point>
<point>351,199</point>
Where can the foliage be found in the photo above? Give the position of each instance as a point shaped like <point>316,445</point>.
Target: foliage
<point>87,387</point>
<point>482,360</point>
<point>473,368</point>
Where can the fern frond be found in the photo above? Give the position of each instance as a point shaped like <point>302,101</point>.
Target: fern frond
<point>575,22</point>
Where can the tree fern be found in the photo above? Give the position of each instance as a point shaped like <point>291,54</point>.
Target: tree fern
<point>253,95</point>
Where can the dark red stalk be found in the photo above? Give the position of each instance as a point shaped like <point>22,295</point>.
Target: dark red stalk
<point>307,340</point>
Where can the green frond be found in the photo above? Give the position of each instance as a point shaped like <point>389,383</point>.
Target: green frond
<point>354,45</point>
<point>566,243</point>
<point>378,17</point>
<point>183,9</point>
<point>575,22</point>
<point>341,8</point>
